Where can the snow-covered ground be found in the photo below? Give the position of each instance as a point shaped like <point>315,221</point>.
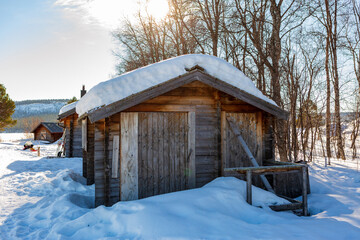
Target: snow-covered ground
<point>45,198</point>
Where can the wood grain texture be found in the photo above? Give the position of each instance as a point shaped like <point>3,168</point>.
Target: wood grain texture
<point>129,156</point>
<point>90,177</point>
<point>99,169</point>
<point>115,158</point>
<point>163,143</point>
<point>191,150</point>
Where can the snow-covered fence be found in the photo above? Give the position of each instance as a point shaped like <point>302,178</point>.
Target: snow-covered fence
<point>277,168</point>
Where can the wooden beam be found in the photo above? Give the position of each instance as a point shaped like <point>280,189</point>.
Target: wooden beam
<point>107,166</point>
<point>191,150</point>
<point>66,114</point>
<point>84,134</point>
<point>129,156</point>
<point>115,157</point>
<point>265,169</point>
<point>71,140</point>
<point>223,142</point>
<point>237,133</point>
<point>286,207</point>
<point>239,108</point>
<point>304,191</point>
<point>248,187</point>
<point>145,107</point>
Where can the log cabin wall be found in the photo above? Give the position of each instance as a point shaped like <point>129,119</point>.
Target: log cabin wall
<point>201,99</point>
<point>206,102</point>
<point>38,134</point>
<point>99,157</point>
<point>107,187</point>
<point>73,136</point>
<point>88,153</point>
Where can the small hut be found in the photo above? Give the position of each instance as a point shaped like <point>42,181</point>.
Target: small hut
<point>69,119</point>
<point>164,128</point>
<point>48,131</point>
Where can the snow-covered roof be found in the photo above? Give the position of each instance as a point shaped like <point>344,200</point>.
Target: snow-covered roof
<point>51,126</point>
<point>149,76</point>
<point>68,107</point>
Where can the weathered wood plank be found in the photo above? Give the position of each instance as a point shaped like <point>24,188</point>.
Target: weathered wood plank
<point>248,187</point>
<point>304,190</point>
<point>167,155</point>
<point>172,152</point>
<point>191,149</point>
<point>248,152</point>
<point>142,154</point>
<point>149,158</point>
<point>99,175</point>
<point>266,169</point>
<point>155,151</point>
<point>223,142</point>
<point>143,107</point>
<point>129,156</point>
<point>160,136</point>
<point>177,159</point>
<point>115,157</point>
<point>286,207</point>
<point>106,161</point>
<point>90,153</point>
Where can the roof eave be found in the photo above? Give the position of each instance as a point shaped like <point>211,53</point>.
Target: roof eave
<point>194,75</point>
<point>66,114</point>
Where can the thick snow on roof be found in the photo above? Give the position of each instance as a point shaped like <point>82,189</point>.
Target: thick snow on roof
<point>141,79</point>
<point>68,107</point>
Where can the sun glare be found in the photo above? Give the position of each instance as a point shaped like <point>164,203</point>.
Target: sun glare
<point>157,8</point>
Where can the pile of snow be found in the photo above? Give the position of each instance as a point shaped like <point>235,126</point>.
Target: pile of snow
<point>46,198</point>
<point>141,79</point>
<point>68,107</point>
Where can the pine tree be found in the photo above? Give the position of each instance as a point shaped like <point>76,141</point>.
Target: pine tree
<point>7,108</point>
<point>74,99</point>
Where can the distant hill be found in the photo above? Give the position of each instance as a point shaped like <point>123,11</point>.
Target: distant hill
<point>29,113</point>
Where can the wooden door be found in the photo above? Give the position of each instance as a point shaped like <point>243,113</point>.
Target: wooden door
<point>165,153</point>
<point>233,155</point>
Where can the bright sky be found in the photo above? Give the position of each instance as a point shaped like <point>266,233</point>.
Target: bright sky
<point>50,48</point>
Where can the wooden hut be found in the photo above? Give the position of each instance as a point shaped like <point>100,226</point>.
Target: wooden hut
<point>69,119</point>
<point>164,127</point>
<point>48,131</point>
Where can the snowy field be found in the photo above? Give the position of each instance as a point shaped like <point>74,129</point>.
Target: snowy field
<point>45,198</point>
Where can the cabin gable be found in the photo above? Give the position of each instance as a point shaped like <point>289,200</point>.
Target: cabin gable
<point>194,75</point>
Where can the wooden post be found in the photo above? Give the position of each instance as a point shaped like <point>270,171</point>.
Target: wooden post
<point>304,191</point>
<point>71,140</point>
<point>107,166</point>
<point>115,157</point>
<point>248,187</point>
<point>223,142</point>
<point>38,151</point>
<point>191,150</point>
<point>129,180</point>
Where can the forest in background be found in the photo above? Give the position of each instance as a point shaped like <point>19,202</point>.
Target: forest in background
<point>29,113</point>
<point>305,55</point>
